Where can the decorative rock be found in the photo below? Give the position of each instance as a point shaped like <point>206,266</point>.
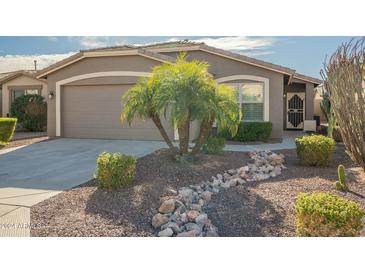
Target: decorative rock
<point>166,233</point>
<point>212,234</point>
<point>202,219</point>
<point>232,171</point>
<point>192,214</point>
<point>243,169</point>
<point>226,185</point>
<point>207,196</point>
<point>159,220</point>
<point>172,225</point>
<point>232,182</point>
<point>196,207</point>
<point>186,194</point>
<point>167,206</point>
<point>191,233</point>
<point>184,214</point>
<point>193,226</point>
<point>184,218</point>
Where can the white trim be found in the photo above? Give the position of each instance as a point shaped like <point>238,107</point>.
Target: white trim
<point>266,82</point>
<point>88,76</point>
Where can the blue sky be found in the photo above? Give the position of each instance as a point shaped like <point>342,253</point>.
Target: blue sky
<point>305,54</point>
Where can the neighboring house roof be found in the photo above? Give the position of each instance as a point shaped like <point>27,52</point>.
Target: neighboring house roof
<point>155,51</point>
<point>7,76</point>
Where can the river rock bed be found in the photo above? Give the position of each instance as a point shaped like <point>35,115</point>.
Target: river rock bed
<point>183,214</point>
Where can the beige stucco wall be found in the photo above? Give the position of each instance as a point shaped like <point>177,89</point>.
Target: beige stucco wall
<point>219,66</point>
<point>309,101</point>
<point>317,108</point>
<point>21,81</point>
<point>222,67</point>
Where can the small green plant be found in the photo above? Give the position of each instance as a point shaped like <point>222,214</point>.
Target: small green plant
<point>341,183</point>
<point>324,215</point>
<point>7,128</point>
<point>115,170</point>
<point>250,132</point>
<point>31,111</point>
<point>315,150</point>
<point>214,145</point>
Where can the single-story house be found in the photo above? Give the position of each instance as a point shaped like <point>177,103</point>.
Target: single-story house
<point>16,83</point>
<point>84,90</point>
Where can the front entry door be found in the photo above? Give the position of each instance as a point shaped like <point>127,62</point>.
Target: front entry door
<point>295,107</point>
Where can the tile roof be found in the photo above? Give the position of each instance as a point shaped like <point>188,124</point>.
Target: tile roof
<point>152,50</point>
<point>7,76</point>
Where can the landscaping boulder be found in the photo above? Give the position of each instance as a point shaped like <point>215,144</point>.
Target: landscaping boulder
<point>167,206</point>
<point>159,220</point>
<point>166,233</point>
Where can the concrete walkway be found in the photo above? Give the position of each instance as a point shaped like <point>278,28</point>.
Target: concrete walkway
<point>31,174</point>
<point>287,143</point>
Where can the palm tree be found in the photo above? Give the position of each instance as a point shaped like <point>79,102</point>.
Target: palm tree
<point>222,108</point>
<point>184,89</point>
<point>183,92</point>
<point>138,102</point>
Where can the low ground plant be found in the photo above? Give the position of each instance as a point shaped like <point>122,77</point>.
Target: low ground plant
<point>325,214</point>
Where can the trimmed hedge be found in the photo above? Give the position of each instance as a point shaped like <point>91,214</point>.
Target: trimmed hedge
<point>315,150</point>
<point>7,128</point>
<point>31,111</point>
<point>250,131</point>
<point>115,170</point>
<point>325,215</point>
<point>214,145</point>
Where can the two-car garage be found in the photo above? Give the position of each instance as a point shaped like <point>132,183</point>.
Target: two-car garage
<point>86,92</point>
<point>93,111</point>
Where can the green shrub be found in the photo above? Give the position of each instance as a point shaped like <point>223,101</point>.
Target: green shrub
<point>214,145</point>
<point>325,214</point>
<point>31,111</point>
<point>115,170</point>
<point>7,128</point>
<point>250,131</point>
<point>315,150</point>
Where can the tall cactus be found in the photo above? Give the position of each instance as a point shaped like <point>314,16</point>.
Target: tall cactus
<point>341,183</point>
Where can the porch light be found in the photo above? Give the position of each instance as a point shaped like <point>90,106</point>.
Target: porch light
<point>50,95</point>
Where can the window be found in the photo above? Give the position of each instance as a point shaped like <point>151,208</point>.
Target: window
<point>15,93</point>
<point>251,100</point>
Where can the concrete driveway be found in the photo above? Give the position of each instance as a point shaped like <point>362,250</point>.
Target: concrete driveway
<point>31,174</point>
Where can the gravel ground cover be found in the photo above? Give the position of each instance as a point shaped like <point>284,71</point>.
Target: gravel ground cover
<point>23,142</point>
<point>264,208</point>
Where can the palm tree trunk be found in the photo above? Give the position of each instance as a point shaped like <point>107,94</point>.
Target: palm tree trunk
<point>205,127</point>
<point>163,133</point>
<point>184,132</point>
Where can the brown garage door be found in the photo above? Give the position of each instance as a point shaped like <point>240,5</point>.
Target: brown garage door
<point>94,112</point>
